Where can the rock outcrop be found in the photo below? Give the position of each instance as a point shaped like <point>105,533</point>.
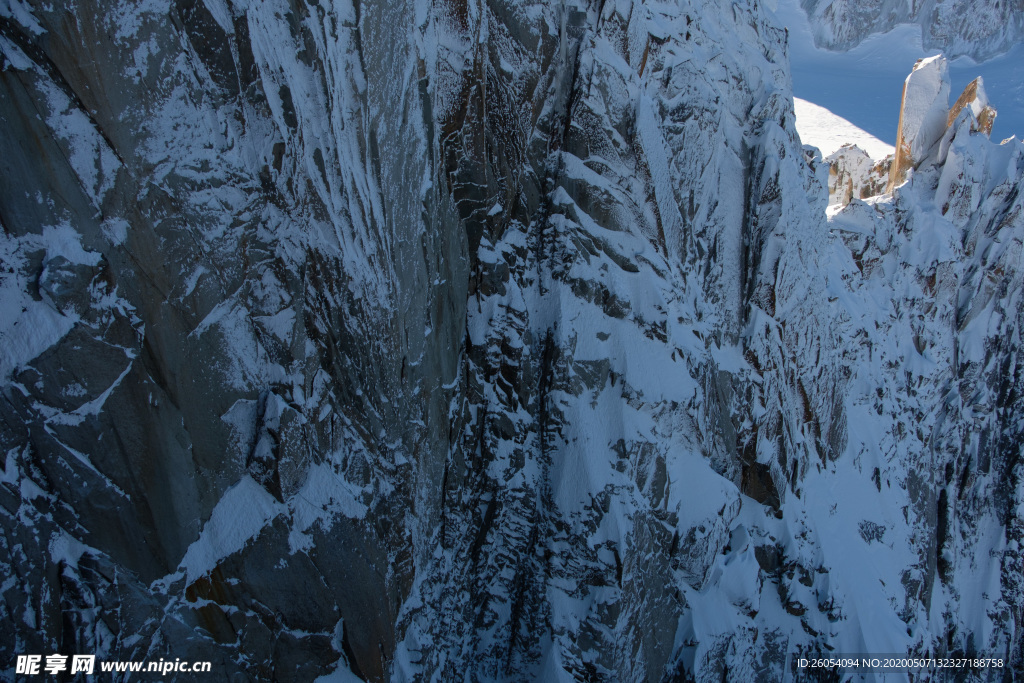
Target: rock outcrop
<point>927,121</point>
<point>924,114</point>
<point>975,100</point>
<point>853,174</point>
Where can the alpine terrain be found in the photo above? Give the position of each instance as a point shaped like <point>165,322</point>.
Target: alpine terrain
<point>980,29</point>
<point>497,340</point>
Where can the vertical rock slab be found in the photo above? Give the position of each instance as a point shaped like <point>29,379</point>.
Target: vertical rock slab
<point>923,114</point>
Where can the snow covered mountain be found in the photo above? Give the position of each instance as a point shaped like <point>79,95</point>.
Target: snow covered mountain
<point>980,29</point>
<point>491,341</point>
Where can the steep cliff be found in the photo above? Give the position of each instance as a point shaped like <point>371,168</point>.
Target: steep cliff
<point>490,340</point>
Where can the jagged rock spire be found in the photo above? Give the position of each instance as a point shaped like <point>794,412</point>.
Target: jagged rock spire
<point>923,113</point>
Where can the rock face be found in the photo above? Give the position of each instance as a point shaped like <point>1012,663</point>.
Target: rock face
<point>925,120</point>
<point>491,341</point>
<point>924,115</point>
<point>852,174</point>
<point>974,98</point>
<point>981,29</point>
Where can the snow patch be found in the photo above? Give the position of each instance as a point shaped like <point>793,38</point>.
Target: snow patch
<point>239,516</point>
<point>828,132</point>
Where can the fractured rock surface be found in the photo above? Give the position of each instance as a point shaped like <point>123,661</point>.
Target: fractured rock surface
<point>489,340</point>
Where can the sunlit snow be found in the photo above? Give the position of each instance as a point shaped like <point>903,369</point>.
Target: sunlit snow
<point>864,85</point>
<point>828,132</point>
